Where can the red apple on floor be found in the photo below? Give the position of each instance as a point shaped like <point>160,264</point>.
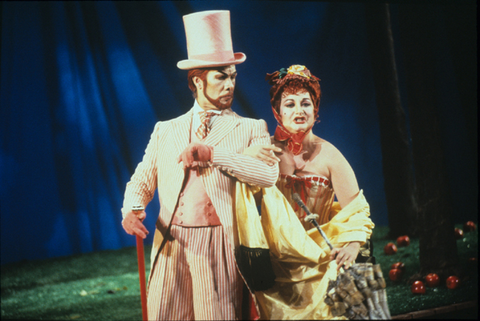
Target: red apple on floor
<point>390,249</point>
<point>452,282</point>
<point>418,287</point>
<point>458,233</point>
<point>403,241</point>
<point>432,280</point>
<point>398,265</point>
<point>395,274</point>
<point>469,226</point>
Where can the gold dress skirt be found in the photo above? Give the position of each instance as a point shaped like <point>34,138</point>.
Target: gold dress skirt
<point>299,254</point>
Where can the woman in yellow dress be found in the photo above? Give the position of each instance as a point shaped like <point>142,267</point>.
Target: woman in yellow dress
<point>317,171</point>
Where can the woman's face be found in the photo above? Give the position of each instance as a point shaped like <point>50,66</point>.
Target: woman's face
<point>297,112</point>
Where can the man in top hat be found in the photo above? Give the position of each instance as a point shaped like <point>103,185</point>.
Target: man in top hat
<point>194,161</point>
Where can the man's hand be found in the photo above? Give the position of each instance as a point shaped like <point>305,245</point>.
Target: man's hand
<point>345,256</point>
<point>195,152</point>
<point>265,153</point>
<point>132,224</point>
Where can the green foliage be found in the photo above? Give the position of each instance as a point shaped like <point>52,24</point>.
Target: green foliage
<point>96,286</point>
<point>401,300</point>
<point>104,285</point>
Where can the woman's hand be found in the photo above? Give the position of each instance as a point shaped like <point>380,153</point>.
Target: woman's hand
<point>346,255</point>
<point>265,153</point>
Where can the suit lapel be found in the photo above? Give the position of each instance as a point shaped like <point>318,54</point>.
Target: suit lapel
<point>222,127</point>
<point>181,131</point>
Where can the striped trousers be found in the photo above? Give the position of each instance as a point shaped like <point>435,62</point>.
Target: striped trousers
<point>195,277</point>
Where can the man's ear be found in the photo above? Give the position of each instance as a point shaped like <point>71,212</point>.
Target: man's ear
<point>198,83</point>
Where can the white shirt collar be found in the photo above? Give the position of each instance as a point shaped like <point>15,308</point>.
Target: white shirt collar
<point>196,115</point>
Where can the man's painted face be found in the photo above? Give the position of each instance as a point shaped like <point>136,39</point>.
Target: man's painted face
<point>297,112</point>
<point>218,88</point>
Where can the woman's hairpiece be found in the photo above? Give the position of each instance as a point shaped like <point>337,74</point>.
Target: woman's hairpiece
<point>298,70</point>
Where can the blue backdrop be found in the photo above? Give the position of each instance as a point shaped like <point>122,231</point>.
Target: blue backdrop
<point>83,83</point>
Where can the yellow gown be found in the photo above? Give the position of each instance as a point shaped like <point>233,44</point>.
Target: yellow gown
<point>299,254</point>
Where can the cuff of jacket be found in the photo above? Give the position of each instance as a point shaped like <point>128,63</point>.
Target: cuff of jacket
<point>218,158</point>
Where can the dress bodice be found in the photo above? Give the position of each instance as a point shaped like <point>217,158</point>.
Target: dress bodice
<point>316,192</point>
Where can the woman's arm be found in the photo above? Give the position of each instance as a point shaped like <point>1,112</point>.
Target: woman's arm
<point>346,189</point>
<point>342,176</point>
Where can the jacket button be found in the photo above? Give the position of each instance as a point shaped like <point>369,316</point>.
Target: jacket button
<point>181,213</point>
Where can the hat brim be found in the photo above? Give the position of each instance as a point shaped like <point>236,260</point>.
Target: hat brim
<point>188,64</point>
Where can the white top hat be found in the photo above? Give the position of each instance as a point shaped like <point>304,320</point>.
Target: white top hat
<point>209,41</point>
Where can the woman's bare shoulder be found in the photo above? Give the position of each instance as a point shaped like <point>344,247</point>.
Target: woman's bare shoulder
<point>329,151</point>
<point>324,145</point>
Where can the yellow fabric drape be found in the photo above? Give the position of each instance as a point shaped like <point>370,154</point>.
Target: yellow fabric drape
<point>300,259</point>
<point>250,232</point>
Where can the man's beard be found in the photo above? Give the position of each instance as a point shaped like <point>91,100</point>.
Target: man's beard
<point>216,102</point>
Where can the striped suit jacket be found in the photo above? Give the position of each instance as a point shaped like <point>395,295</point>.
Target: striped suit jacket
<point>159,169</point>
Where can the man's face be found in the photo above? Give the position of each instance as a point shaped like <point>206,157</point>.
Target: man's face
<point>218,89</point>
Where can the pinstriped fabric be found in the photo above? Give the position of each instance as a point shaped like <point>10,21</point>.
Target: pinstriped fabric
<point>159,169</point>
<point>230,135</point>
<point>180,292</point>
<point>170,285</point>
<point>141,187</point>
<point>203,129</point>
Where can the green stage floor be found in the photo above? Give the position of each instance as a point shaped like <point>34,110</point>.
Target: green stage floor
<point>104,286</point>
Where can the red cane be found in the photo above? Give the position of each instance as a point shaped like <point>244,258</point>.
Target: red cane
<point>141,270</point>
